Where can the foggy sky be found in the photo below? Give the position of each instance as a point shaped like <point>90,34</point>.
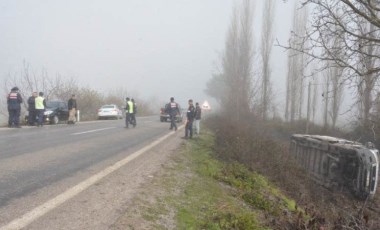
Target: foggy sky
<point>157,48</point>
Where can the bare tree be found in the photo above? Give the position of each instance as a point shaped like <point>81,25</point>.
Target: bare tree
<point>337,88</point>
<point>314,99</point>
<point>266,50</point>
<point>366,83</point>
<point>326,100</point>
<point>246,49</point>
<point>337,81</point>
<point>335,18</point>
<point>295,78</point>
<point>235,81</point>
<point>356,23</point>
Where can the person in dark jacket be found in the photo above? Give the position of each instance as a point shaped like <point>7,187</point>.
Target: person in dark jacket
<point>172,108</point>
<point>190,114</point>
<point>32,109</point>
<point>14,101</point>
<point>72,106</point>
<point>198,113</point>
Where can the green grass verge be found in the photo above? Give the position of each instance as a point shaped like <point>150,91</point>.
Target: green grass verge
<point>212,194</point>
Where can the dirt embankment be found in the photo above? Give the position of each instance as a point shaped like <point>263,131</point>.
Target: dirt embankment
<point>265,149</point>
<point>265,154</point>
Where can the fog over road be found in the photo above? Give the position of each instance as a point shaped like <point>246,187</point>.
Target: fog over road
<point>39,164</point>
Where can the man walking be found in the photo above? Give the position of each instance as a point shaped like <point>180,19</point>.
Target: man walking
<point>32,109</point>
<point>190,118</point>
<point>72,106</point>
<point>14,101</point>
<point>172,109</point>
<point>198,113</point>
<point>40,104</point>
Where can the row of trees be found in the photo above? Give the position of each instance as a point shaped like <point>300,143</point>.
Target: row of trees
<point>342,37</point>
<point>59,87</point>
<point>333,48</point>
<point>234,86</point>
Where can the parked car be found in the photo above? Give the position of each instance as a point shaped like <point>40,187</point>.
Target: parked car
<point>110,111</point>
<point>55,111</point>
<point>164,117</point>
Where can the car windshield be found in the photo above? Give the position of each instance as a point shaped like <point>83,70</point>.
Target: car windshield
<point>108,107</point>
<point>52,104</point>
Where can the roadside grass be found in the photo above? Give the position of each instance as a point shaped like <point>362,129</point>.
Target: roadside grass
<point>198,191</point>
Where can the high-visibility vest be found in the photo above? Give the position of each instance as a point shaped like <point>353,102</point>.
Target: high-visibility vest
<point>39,103</point>
<point>130,107</point>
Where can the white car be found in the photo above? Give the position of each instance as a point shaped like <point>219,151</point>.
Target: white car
<point>110,111</point>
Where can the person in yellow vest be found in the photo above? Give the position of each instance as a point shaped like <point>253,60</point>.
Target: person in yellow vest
<point>129,113</point>
<point>40,105</point>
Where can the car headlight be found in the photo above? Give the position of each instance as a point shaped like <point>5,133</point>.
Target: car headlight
<point>48,112</point>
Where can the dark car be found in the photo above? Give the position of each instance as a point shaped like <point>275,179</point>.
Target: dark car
<point>166,117</point>
<point>55,112</point>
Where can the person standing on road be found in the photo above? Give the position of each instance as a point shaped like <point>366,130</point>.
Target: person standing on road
<point>14,101</point>
<point>172,109</point>
<point>40,104</point>
<point>128,112</point>
<point>198,113</point>
<point>133,114</point>
<point>190,118</point>
<point>72,106</point>
<point>32,109</point>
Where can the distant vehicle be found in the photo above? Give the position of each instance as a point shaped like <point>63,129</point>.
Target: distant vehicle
<point>55,112</point>
<point>110,111</point>
<point>336,162</point>
<point>164,117</point>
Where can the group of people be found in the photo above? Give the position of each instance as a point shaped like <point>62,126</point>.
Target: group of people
<point>37,105</point>
<point>36,108</point>
<point>193,115</point>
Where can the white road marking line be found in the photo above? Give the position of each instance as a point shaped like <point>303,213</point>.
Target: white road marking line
<point>91,131</point>
<point>44,208</point>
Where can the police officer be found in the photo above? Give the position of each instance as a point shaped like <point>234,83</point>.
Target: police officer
<point>40,104</point>
<point>172,109</point>
<point>14,101</point>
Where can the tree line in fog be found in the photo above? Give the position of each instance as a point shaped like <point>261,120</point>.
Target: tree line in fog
<point>332,52</point>
<point>61,88</point>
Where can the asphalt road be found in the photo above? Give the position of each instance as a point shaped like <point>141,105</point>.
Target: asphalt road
<point>37,164</point>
